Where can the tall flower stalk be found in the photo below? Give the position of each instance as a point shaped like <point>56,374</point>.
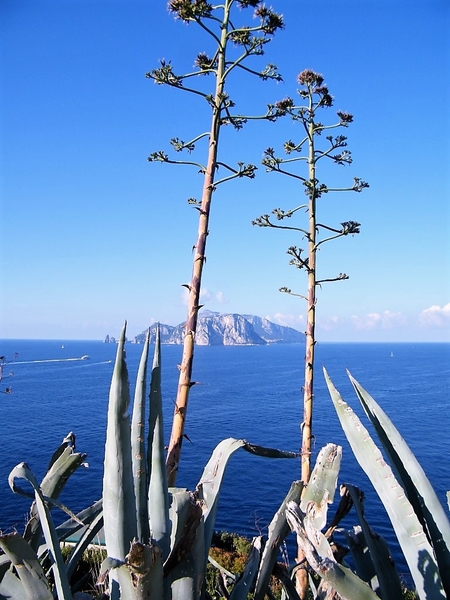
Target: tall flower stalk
<point>315,97</point>
<point>233,45</point>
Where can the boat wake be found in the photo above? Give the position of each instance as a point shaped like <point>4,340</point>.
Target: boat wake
<point>47,360</point>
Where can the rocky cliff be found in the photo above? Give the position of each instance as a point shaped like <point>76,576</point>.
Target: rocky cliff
<point>215,329</point>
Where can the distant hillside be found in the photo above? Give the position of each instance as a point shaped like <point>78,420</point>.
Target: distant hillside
<point>215,329</point>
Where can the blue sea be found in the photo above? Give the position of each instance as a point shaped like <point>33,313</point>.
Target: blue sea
<point>251,392</point>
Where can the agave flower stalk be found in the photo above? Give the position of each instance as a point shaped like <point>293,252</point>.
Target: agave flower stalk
<point>232,46</point>
<point>316,96</point>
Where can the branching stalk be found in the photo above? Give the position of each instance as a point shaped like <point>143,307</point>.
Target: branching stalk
<point>312,88</point>
<point>221,66</point>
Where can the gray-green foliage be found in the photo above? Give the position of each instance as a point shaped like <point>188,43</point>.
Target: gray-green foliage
<point>32,566</point>
<point>169,562</point>
<point>157,538</point>
<point>417,516</point>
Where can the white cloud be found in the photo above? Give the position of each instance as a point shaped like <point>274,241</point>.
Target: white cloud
<point>220,298</point>
<point>383,320</point>
<point>206,295</point>
<point>329,323</point>
<point>295,321</point>
<point>435,316</point>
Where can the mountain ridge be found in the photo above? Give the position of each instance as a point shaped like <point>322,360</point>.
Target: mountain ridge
<point>227,329</point>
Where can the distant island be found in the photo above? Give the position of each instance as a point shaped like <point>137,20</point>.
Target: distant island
<point>216,329</point>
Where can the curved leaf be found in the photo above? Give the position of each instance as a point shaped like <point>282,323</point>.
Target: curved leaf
<point>278,531</point>
<point>22,471</point>
<point>119,503</point>
<point>244,583</point>
<point>411,476</point>
<point>386,573</point>
<point>32,583</point>
<point>413,541</point>
<point>138,447</point>
<point>319,555</point>
<point>158,497</point>
<point>322,483</point>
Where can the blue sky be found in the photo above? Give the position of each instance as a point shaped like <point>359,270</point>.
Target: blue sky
<point>92,234</point>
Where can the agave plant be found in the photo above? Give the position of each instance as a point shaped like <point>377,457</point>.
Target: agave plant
<point>32,566</point>
<point>158,537</point>
<point>417,516</point>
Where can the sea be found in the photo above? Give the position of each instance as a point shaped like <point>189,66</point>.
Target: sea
<point>250,392</point>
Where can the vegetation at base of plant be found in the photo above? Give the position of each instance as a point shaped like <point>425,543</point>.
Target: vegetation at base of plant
<point>88,569</point>
<point>233,48</point>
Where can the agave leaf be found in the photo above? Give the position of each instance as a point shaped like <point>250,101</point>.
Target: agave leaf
<point>64,462</point>
<point>412,478</point>
<point>413,541</point>
<point>31,583</point>
<point>322,484</point>
<point>119,502</point>
<point>83,519</point>
<point>22,471</point>
<point>278,531</point>
<point>138,447</point>
<point>386,573</point>
<point>285,577</point>
<point>158,497</point>
<point>244,583</point>
<point>362,560</point>
<point>320,558</point>
<point>208,488</point>
<point>184,568</point>
<point>180,500</point>
<point>83,543</point>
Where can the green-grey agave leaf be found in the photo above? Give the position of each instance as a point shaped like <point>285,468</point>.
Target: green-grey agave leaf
<point>184,568</point>
<point>411,476</point>
<point>322,483</point>
<point>244,583</point>
<point>119,503</point>
<point>64,462</point>
<point>387,577</point>
<point>208,488</point>
<point>278,531</point>
<point>22,471</point>
<point>83,519</point>
<point>32,583</point>
<point>413,541</point>
<point>359,550</point>
<point>319,555</point>
<point>138,455</point>
<point>158,496</point>
<point>86,539</point>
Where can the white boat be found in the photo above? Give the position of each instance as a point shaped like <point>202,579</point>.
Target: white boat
<point>84,357</point>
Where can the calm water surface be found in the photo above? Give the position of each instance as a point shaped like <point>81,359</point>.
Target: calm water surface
<point>244,392</point>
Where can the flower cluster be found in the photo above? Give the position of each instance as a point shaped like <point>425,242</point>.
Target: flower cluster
<point>270,20</point>
<point>282,106</point>
<point>188,10</point>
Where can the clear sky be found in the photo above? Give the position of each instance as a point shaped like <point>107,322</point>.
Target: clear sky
<point>92,233</point>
